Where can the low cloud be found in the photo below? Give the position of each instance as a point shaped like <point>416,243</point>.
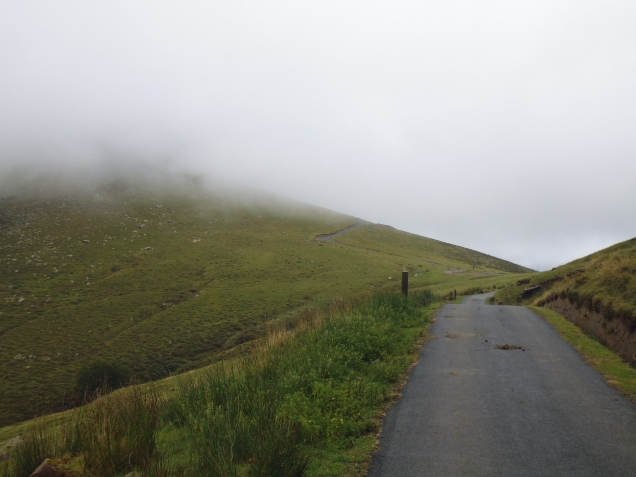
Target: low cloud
<point>506,128</point>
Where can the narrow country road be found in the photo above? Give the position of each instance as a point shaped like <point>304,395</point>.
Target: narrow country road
<point>470,409</point>
<point>329,238</point>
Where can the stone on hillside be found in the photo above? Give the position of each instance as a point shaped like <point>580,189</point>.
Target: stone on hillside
<point>19,356</point>
<point>11,443</point>
<point>46,470</point>
<point>87,241</point>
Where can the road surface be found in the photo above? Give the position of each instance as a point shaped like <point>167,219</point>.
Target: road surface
<point>470,409</point>
<point>329,238</point>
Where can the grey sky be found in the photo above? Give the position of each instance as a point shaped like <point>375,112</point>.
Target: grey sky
<point>506,127</point>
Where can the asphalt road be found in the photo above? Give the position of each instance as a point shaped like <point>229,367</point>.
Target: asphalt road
<point>329,238</point>
<point>472,410</point>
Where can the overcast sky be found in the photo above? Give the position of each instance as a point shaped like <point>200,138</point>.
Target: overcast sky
<point>504,126</point>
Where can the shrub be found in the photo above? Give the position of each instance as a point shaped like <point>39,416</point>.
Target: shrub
<point>100,375</point>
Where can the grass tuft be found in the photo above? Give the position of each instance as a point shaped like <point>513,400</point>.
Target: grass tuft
<point>118,433</point>
<point>39,442</point>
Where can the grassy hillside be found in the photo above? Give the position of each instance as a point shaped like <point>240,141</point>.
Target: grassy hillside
<point>604,281</point>
<point>165,281</point>
<point>427,253</point>
<point>306,402</point>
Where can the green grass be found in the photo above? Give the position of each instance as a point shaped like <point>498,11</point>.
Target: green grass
<point>604,281</point>
<point>433,255</point>
<point>307,402</point>
<point>203,279</point>
<point>616,372</point>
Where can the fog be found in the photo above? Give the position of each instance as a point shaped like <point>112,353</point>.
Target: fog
<point>505,127</point>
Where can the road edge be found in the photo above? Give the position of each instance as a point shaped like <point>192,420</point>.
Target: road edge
<point>617,373</point>
<point>361,468</point>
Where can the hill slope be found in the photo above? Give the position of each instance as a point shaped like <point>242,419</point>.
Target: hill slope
<point>597,292</point>
<point>161,282</point>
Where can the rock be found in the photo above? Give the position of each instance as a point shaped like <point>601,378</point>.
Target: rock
<point>4,450</point>
<point>19,356</point>
<point>46,470</point>
<point>87,241</point>
<point>147,248</point>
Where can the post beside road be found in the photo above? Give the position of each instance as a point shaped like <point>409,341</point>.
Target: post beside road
<point>405,283</point>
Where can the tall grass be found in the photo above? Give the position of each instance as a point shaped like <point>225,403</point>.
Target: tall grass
<point>115,434</point>
<point>41,441</point>
<point>320,383</point>
<point>119,433</point>
<point>262,417</point>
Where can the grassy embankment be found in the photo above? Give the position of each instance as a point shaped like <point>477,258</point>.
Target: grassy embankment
<point>307,402</point>
<point>166,281</point>
<point>604,281</point>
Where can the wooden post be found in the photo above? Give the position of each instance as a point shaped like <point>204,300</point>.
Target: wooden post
<point>405,283</point>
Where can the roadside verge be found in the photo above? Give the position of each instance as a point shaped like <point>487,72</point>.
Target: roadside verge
<point>617,373</point>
